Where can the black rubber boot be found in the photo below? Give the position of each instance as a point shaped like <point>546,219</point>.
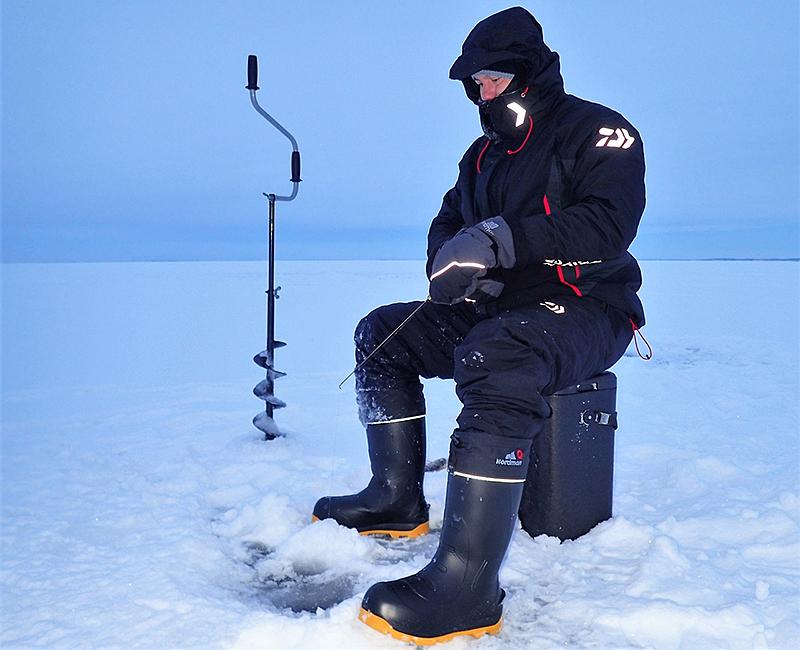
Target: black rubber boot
<point>392,503</point>
<point>458,592</point>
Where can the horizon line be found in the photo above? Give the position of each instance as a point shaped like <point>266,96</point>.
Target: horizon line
<point>398,259</point>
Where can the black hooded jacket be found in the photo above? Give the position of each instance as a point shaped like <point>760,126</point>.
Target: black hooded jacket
<point>569,182</point>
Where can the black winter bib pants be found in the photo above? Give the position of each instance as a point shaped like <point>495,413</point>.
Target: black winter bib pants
<point>503,360</point>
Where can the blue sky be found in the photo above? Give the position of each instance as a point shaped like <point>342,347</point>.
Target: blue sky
<point>127,133</point>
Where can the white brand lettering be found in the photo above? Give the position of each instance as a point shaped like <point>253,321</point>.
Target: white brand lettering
<point>553,307</point>
<point>505,461</point>
<point>622,139</point>
<point>562,263</point>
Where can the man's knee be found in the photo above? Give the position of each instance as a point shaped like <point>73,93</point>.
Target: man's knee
<point>388,382</point>
<point>365,332</point>
<point>500,373</point>
<point>499,347</point>
<point>378,324</point>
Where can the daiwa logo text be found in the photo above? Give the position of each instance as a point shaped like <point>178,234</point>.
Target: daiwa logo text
<point>513,458</point>
<point>622,139</point>
<point>553,307</point>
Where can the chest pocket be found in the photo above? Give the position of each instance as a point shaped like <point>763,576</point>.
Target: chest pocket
<point>559,181</point>
<point>559,195</point>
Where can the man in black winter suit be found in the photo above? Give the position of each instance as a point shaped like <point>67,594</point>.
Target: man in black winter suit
<point>532,288</point>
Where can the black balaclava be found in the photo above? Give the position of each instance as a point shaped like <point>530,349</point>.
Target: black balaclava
<point>505,118</point>
<point>510,41</point>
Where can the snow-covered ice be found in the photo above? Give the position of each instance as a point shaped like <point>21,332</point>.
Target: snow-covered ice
<point>140,508</point>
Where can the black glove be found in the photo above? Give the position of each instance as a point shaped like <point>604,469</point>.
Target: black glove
<point>485,290</point>
<point>461,263</point>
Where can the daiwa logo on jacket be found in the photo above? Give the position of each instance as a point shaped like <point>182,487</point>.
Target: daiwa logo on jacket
<point>622,140</point>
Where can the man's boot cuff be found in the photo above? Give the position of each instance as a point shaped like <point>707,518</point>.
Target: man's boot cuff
<point>486,457</point>
<point>385,406</point>
<point>398,420</point>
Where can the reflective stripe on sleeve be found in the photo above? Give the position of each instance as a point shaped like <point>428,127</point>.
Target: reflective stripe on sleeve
<point>474,265</point>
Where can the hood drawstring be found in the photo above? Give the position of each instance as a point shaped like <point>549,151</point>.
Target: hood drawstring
<point>530,128</point>
<point>510,152</point>
<point>525,141</point>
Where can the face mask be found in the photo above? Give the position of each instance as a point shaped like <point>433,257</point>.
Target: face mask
<point>505,118</point>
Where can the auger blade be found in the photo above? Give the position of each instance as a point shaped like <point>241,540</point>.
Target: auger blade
<point>263,390</point>
<point>272,373</point>
<point>276,403</point>
<point>266,424</point>
<point>264,360</point>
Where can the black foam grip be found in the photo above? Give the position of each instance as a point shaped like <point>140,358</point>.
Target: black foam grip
<point>252,72</point>
<point>296,167</point>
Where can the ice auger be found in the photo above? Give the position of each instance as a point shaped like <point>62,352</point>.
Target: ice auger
<point>264,390</point>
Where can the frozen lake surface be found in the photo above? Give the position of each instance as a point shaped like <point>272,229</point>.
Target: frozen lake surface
<point>140,509</point>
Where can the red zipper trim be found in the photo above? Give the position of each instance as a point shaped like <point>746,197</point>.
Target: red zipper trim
<point>480,155</point>
<point>560,271</point>
<point>546,205</point>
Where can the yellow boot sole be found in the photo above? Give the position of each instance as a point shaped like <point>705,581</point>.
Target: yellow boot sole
<point>382,626</point>
<point>420,530</point>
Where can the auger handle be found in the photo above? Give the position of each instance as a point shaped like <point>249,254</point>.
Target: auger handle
<point>296,167</point>
<point>252,86</point>
<point>252,72</point>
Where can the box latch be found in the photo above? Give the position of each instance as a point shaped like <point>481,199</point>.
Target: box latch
<point>600,417</point>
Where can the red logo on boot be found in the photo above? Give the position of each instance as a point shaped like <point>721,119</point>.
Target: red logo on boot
<point>513,458</point>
